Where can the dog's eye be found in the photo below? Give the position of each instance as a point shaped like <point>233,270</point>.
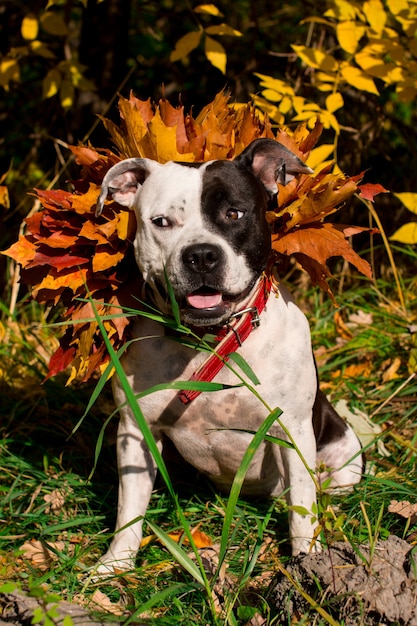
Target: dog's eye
<point>234,214</point>
<point>161,222</point>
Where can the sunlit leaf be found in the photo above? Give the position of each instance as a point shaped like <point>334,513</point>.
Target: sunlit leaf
<point>9,71</point>
<point>334,102</point>
<point>375,14</point>
<point>397,6</point>
<point>223,29</point>
<point>215,53</point>
<point>407,233</point>
<point>41,49</point>
<point>185,45</point>
<point>208,9</point>
<point>51,83</point>
<point>4,196</point>
<point>408,199</point>
<point>316,58</point>
<point>342,10</point>
<point>359,79</point>
<point>349,33</point>
<point>23,251</point>
<point>30,27</point>
<point>320,154</point>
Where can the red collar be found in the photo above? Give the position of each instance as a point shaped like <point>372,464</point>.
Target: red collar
<point>232,335</point>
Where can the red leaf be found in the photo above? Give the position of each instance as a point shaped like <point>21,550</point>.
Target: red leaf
<point>60,360</point>
<point>368,191</point>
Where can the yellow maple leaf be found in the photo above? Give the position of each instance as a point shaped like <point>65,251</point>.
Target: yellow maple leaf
<point>160,142</point>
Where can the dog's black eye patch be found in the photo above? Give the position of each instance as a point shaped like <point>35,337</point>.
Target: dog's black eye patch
<point>234,214</point>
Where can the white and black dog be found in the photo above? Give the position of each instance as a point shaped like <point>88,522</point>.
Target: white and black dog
<point>202,228</point>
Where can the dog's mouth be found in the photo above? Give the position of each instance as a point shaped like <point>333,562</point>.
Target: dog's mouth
<point>204,298</point>
<point>205,307</point>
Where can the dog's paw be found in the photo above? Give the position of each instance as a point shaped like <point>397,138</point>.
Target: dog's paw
<point>110,565</point>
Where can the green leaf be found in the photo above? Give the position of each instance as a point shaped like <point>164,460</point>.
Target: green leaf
<point>300,510</point>
<point>180,556</point>
<point>174,304</point>
<point>240,476</point>
<point>245,367</point>
<point>409,200</point>
<point>188,385</point>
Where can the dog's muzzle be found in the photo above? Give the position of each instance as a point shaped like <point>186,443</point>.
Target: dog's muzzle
<point>204,303</point>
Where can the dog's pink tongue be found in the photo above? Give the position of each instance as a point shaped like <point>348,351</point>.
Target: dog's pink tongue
<point>204,300</point>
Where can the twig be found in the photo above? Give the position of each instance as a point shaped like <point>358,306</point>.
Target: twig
<point>396,392</point>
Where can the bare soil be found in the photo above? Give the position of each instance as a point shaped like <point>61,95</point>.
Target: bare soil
<point>361,586</point>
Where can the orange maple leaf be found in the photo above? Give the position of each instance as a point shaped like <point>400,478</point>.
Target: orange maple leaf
<point>68,253</point>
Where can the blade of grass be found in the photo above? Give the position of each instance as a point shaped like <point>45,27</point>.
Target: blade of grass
<point>157,599</point>
<point>314,605</point>
<point>153,448</point>
<point>239,478</point>
<point>181,557</point>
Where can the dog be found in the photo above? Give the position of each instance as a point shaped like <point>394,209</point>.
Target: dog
<point>201,229</point>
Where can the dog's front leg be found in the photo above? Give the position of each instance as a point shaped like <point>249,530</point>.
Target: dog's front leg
<point>137,472</point>
<point>301,487</point>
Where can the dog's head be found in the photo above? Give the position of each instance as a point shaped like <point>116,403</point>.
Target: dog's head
<point>202,225</point>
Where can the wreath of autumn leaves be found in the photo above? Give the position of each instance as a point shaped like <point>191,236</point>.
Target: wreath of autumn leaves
<point>69,256</point>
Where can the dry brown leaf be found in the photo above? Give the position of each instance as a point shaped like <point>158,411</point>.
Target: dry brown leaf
<point>391,373</point>
<point>68,254</point>
<point>354,371</point>
<point>103,602</point>
<point>360,318</point>
<point>404,509</point>
<point>39,554</point>
<point>342,329</point>
<point>56,500</point>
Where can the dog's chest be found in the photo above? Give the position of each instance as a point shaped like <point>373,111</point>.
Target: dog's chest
<point>213,431</point>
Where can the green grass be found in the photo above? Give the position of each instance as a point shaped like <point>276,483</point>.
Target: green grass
<point>39,459</point>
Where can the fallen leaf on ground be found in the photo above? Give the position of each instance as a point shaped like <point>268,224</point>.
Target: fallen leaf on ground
<point>392,371</point>
<point>200,539</point>
<point>404,509</point>
<point>361,318</point>
<point>103,602</point>
<point>41,554</point>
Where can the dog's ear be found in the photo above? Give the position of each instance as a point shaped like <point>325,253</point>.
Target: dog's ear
<point>272,163</point>
<point>123,180</point>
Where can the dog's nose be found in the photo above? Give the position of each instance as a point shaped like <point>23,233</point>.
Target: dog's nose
<point>202,257</point>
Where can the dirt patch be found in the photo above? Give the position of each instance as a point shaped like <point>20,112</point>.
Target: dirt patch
<point>361,587</point>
